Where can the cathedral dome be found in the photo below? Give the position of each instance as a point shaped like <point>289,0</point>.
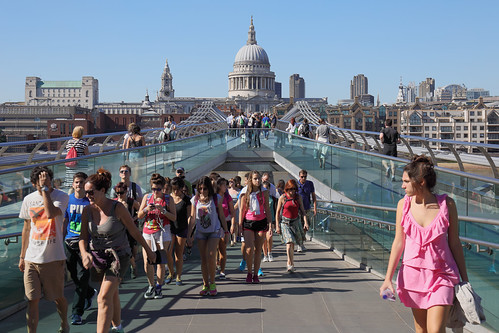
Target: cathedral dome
<point>252,53</point>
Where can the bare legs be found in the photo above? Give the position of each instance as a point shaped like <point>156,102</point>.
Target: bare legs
<point>290,249</point>
<point>149,269</point>
<point>178,246</point>
<point>432,320</point>
<point>208,252</point>
<point>254,242</point>
<point>222,251</point>
<point>109,308</point>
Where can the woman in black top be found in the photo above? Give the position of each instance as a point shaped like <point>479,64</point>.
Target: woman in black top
<point>179,227</point>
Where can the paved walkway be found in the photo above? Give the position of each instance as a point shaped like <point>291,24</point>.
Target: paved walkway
<point>325,294</point>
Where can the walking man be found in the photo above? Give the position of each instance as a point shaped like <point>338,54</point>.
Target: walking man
<point>42,251</point>
<point>390,138</point>
<point>82,299</point>
<point>306,190</point>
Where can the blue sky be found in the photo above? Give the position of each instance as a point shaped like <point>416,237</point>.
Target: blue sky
<point>124,44</point>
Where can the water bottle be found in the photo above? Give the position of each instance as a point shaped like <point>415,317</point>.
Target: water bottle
<point>388,295</point>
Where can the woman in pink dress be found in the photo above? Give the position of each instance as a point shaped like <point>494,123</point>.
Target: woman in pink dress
<point>427,231</point>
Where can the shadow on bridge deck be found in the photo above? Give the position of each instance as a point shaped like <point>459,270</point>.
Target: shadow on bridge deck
<point>325,294</point>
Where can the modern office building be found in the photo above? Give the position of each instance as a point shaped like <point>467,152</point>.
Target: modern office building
<point>84,93</point>
<point>296,87</point>
<point>278,89</point>
<point>476,93</point>
<point>358,86</point>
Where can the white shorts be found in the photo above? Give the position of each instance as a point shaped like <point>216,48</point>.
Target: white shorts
<point>159,237</point>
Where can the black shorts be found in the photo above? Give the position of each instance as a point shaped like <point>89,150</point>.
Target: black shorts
<point>261,225</point>
<point>390,150</point>
<point>182,233</point>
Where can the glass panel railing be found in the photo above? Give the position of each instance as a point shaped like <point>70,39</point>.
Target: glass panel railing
<point>190,153</point>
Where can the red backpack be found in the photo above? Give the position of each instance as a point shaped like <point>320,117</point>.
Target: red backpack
<point>72,154</point>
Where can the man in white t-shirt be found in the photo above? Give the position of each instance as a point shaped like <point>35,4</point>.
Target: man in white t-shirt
<point>42,258</point>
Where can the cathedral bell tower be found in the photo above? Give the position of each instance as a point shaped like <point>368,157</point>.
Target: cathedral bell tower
<point>167,91</point>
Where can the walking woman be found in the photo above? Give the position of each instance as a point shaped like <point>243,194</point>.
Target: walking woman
<point>254,219</point>
<point>81,148</point>
<point>288,222</point>
<point>208,213</point>
<point>132,205</point>
<point>229,216</point>
<point>180,226</point>
<point>158,210</point>
<point>107,255</point>
<point>427,231</point>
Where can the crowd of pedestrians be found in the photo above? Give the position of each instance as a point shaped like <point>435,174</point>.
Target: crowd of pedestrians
<point>96,230</point>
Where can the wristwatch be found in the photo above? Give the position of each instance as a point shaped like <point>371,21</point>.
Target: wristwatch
<point>45,188</point>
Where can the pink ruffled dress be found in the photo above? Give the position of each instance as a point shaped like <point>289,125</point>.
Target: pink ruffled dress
<point>428,272</point>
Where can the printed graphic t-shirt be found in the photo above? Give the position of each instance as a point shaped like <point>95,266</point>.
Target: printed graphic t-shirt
<point>73,214</point>
<point>45,237</point>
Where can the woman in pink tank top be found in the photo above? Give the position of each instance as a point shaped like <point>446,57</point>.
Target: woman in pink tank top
<point>427,231</point>
<point>254,220</point>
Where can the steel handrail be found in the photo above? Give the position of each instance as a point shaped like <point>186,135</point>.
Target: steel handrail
<point>391,225</point>
<point>391,209</point>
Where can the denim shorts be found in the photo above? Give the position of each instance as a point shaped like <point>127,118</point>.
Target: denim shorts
<point>208,235</point>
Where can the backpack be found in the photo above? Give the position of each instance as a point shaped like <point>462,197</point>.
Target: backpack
<point>134,191</point>
<point>241,121</point>
<point>250,122</point>
<point>305,131</point>
<point>72,154</point>
<point>233,124</point>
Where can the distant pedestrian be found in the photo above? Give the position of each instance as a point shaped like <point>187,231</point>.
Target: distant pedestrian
<point>390,138</point>
<point>81,148</point>
<point>306,190</point>
<point>322,136</point>
<point>292,129</point>
<point>304,129</point>
<point>42,258</point>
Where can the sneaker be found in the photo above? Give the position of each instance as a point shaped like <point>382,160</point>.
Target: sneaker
<point>249,278</point>
<point>222,276</point>
<point>256,280</point>
<point>492,269</point>
<point>271,258</point>
<point>299,248</point>
<point>291,268</point>
<point>213,289</point>
<point>265,259</point>
<point>178,282</point>
<point>204,291</point>
<point>242,265</point>
<point>232,243</point>
<point>88,301</point>
<point>117,330</point>
<point>76,320</point>
<point>149,294</point>
<point>303,248</point>
<point>168,279</point>
<point>260,272</point>
<point>158,292</point>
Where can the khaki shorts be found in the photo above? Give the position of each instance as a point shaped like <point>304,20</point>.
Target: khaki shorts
<point>48,277</point>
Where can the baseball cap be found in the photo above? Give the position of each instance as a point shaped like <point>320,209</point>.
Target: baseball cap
<point>181,169</point>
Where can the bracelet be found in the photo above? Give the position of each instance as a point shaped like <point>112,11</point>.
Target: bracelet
<point>21,257</point>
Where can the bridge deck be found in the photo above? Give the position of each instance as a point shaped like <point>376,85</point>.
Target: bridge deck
<point>325,294</point>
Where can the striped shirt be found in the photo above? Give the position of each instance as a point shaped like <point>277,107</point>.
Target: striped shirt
<point>79,144</point>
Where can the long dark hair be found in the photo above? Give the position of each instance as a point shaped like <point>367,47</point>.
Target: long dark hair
<point>206,182</point>
<point>251,187</point>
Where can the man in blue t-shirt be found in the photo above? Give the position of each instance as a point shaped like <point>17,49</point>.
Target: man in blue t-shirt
<point>82,299</point>
<point>306,190</point>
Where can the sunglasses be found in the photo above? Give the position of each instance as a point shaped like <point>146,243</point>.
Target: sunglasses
<point>120,193</point>
<point>291,189</point>
<point>124,171</point>
<point>303,176</point>
<point>157,189</point>
<point>91,192</point>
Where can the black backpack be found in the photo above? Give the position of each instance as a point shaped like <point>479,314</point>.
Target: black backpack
<point>306,131</point>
